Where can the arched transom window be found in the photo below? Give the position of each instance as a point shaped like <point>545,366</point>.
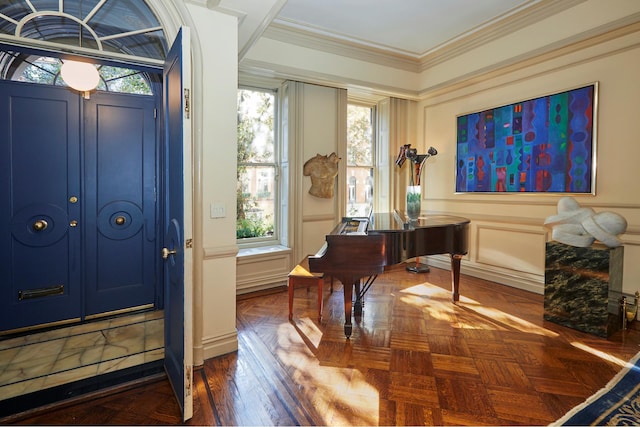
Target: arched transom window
<point>126,27</point>
<point>123,26</point>
<point>46,70</point>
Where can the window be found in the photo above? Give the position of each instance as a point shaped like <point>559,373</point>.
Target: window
<point>46,70</point>
<point>257,188</point>
<point>360,157</point>
<point>127,26</point>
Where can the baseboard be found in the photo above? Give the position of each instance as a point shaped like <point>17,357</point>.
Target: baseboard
<point>217,346</point>
<point>508,278</point>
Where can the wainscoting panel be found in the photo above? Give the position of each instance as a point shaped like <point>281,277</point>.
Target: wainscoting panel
<point>510,248</point>
<point>631,269</point>
<point>315,233</point>
<point>262,270</point>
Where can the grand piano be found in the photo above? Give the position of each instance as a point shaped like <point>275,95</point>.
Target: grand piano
<point>361,248</point>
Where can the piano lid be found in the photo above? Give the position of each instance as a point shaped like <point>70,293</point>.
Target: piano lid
<point>397,221</point>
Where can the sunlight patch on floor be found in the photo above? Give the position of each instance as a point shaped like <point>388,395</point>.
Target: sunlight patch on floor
<point>440,307</point>
<point>333,387</point>
<point>309,330</point>
<point>599,353</point>
<point>426,289</point>
<point>509,320</point>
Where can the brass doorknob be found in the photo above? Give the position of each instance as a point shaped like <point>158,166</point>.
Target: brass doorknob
<point>120,220</point>
<point>166,253</point>
<point>40,225</point>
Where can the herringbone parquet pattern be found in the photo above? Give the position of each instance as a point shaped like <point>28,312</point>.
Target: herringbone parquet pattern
<point>414,359</point>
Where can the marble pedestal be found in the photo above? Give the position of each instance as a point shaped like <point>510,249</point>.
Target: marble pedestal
<point>583,287</point>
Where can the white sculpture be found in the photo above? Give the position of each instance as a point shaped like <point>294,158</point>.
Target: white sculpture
<point>580,227</point>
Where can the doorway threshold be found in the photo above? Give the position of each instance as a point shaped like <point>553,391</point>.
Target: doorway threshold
<point>45,360</point>
<point>11,410</point>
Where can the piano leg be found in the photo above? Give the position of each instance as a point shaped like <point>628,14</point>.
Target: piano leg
<point>348,305</point>
<point>455,277</point>
<point>357,308</point>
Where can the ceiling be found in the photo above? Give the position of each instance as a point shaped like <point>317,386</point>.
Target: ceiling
<point>409,28</point>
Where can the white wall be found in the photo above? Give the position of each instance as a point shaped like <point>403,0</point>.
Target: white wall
<point>215,84</point>
<point>507,234</point>
<point>321,131</point>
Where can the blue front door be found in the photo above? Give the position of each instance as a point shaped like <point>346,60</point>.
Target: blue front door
<point>40,244</point>
<point>78,227</point>
<point>119,187</point>
<point>178,294</point>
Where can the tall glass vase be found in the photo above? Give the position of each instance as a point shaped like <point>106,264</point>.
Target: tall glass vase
<point>413,201</point>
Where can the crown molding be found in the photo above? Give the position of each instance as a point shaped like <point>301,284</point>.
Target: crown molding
<point>282,32</point>
<point>624,27</point>
<point>500,27</point>
<point>578,43</point>
<point>528,14</point>
<point>253,70</point>
<point>519,19</point>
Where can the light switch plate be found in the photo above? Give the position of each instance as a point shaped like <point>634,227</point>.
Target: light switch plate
<point>218,210</point>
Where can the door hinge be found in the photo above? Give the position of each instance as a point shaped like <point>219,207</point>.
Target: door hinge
<point>155,113</point>
<point>187,104</point>
<point>189,370</point>
<point>188,243</point>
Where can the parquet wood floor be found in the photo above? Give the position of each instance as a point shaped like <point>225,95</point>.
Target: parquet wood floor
<point>414,359</point>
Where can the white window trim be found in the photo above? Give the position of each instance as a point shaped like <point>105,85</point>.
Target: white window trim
<point>253,245</point>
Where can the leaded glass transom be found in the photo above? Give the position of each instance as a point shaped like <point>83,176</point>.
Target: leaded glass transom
<point>124,26</point>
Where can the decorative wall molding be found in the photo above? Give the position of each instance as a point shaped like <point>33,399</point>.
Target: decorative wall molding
<point>221,252</point>
<point>509,67</point>
<point>269,69</point>
<point>501,27</point>
<point>561,49</point>
<point>318,218</point>
<point>284,31</point>
<point>508,248</point>
<point>280,31</point>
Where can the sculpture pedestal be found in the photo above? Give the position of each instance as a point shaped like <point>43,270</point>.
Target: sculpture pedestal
<point>583,287</point>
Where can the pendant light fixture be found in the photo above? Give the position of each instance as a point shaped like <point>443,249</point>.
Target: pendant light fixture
<point>80,76</point>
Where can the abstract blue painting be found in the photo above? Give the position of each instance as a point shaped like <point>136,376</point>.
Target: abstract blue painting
<point>546,144</point>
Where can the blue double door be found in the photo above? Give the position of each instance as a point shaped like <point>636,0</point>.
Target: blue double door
<point>79,205</point>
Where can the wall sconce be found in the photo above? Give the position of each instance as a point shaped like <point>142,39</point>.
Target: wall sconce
<point>81,76</point>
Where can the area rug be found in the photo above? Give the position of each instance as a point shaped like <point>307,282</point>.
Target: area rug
<point>617,404</point>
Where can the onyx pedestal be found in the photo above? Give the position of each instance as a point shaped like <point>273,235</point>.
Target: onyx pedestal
<point>583,287</point>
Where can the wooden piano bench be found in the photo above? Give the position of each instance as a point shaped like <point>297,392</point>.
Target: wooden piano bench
<point>301,275</point>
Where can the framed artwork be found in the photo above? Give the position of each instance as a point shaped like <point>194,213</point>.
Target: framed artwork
<point>542,145</point>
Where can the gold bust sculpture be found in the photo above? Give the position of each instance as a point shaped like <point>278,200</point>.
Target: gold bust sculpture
<point>322,170</point>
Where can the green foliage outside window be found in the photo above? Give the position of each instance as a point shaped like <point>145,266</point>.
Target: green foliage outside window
<point>254,216</point>
<point>46,70</point>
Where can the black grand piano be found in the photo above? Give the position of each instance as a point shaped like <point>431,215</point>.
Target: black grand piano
<point>360,248</point>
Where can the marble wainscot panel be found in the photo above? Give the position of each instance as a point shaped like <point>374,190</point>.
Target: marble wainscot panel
<point>42,360</point>
<point>583,287</point>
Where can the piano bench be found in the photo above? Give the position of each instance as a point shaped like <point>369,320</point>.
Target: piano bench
<point>301,275</point>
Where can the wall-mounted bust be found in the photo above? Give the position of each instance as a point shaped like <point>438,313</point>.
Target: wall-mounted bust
<point>322,170</point>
